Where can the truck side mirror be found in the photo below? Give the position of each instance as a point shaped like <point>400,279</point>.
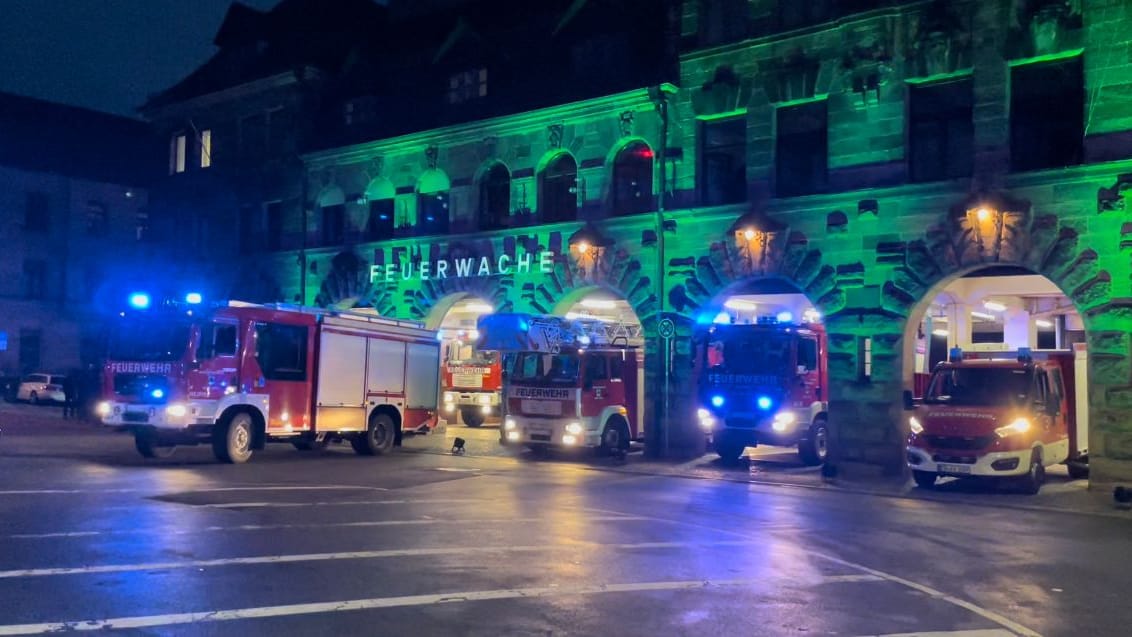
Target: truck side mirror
<point>909,402</point>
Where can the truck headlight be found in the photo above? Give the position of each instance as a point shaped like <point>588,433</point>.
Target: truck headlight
<point>569,439</point>
<point>176,410</point>
<point>574,428</point>
<point>485,399</point>
<point>1019,426</point>
<point>103,409</point>
<point>509,423</point>
<point>915,425</point>
<point>449,397</point>
<point>783,420</point>
<point>702,413</point>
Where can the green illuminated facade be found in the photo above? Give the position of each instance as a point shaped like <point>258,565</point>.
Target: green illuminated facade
<point>846,155</point>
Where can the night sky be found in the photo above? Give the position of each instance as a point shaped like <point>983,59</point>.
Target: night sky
<point>105,54</point>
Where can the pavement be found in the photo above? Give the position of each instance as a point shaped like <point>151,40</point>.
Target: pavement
<point>425,542</point>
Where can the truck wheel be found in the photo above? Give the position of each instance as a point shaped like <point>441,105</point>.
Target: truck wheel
<point>615,437</point>
<point>1031,483</point>
<point>815,447</point>
<point>146,442</point>
<point>1077,470</point>
<point>232,439</point>
<point>472,416</point>
<point>729,448</point>
<point>378,437</point>
<point>924,479</point>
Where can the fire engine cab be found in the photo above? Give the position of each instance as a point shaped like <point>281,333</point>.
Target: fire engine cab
<point>571,382</point>
<point>472,378</point>
<point>240,375</point>
<point>998,418</point>
<point>763,383</point>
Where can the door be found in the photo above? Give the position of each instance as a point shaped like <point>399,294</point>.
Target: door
<point>213,369</point>
<point>281,365</point>
<point>598,389</point>
<point>808,372</point>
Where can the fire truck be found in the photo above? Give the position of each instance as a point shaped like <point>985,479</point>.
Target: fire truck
<point>998,418</point>
<point>763,383</point>
<point>472,379</point>
<point>239,375</point>
<point>571,382</point>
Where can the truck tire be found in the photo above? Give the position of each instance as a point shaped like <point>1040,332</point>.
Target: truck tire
<point>614,437</point>
<point>1031,483</point>
<point>728,448</point>
<point>378,437</point>
<point>814,448</point>
<point>924,479</point>
<point>1077,470</point>
<point>472,416</point>
<point>232,439</point>
<point>147,444</point>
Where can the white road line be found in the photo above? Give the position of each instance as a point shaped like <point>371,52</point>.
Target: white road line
<point>152,621</point>
<point>335,503</point>
<point>990,632</point>
<point>1007,623</point>
<point>313,525</point>
<point>326,487</point>
<point>572,545</point>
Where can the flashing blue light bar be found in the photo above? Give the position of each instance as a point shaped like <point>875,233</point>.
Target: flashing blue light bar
<point>723,318</point>
<point>763,403</point>
<point>717,401</point>
<point>193,298</point>
<point>784,317</point>
<point>139,300</point>
<point>157,393</point>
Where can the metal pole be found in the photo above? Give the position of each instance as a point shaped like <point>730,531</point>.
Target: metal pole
<point>662,108</point>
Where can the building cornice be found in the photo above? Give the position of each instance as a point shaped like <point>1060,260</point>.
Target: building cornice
<point>233,93</point>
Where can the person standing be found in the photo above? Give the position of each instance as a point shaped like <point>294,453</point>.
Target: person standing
<point>70,397</point>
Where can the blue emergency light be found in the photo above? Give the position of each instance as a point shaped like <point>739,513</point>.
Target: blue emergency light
<point>717,401</point>
<point>763,402</point>
<point>158,393</point>
<point>139,300</point>
<point>193,298</point>
<point>784,317</point>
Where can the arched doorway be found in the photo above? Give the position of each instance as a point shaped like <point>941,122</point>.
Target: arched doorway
<point>471,379</point>
<point>992,321</point>
<point>761,373</point>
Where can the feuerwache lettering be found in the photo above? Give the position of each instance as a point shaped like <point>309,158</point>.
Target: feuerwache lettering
<point>463,268</point>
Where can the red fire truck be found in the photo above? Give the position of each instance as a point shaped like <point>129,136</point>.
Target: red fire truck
<point>240,375</point>
<point>472,379</point>
<point>763,383</point>
<point>998,418</point>
<point>571,382</point>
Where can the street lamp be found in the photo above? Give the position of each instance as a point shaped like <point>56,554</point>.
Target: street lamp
<point>986,215</point>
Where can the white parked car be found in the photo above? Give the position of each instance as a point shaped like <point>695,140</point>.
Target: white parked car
<point>38,388</point>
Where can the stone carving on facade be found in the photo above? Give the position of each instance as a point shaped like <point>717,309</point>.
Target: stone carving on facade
<point>867,56</point>
<point>376,167</point>
<point>1042,27</point>
<point>554,134</point>
<point>625,123</point>
<point>794,77</point>
<point>939,39</point>
<point>346,284</point>
<point>489,147</point>
<point>1111,199</point>
<point>432,156</point>
<point>723,93</point>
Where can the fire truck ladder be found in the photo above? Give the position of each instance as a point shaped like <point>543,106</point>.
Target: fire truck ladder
<point>320,312</point>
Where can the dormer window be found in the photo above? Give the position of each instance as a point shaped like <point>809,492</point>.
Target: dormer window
<point>467,86</point>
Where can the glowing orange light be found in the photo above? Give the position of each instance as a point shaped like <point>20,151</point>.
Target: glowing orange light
<point>749,234</point>
<point>583,247</point>
<point>982,214</point>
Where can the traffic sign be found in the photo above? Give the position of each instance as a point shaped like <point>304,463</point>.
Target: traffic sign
<point>666,328</point>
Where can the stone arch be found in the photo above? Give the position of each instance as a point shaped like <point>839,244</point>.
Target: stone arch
<point>345,285</point>
<point>444,304</point>
<point>331,196</point>
<point>380,188</point>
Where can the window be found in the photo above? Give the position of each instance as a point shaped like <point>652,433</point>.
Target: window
<point>801,149</point>
<point>615,368</point>
<point>723,21</point>
<point>274,213</point>
<point>808,354</point>
<point>141,225</point>
<point>250,228</point>
<point>206,148</point>
<point>253,136</point>
<point>177,154</point>
<point>1047,115</point>
<point>333,224</point>
<point>865,357</point>
<point>631,190</point>
<point>723,161</point>
<point>281,351</point>
<point>596,368</point>
<point>218,339</point>
<point>30,344</point>
<point>467,86</point>
<point>97,219</point>
<point>432,212</point>
<point>558,189</point>
<point>941,131</point>
<point>35,278</point>
<point>380,224</point>
<point>495,197</point>
<point>37,215</point>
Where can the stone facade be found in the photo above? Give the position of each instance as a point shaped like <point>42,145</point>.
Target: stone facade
<point>868,249</point>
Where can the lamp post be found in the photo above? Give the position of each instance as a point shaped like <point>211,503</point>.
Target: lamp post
<point>660,100</point>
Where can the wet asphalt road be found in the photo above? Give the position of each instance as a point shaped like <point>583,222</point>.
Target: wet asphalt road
<point>328,543</point>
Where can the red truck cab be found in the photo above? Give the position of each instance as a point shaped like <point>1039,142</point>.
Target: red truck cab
<point>1004,419</point>
<point>472,380</point>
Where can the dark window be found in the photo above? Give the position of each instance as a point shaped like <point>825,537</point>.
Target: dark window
<point>596,368</point>
<point>30,344</point>
<point>941,131</point>
<point>432,212</point>
<point>380,224</point>
<point>217,339</point>
<point>615,368</point>
<point>558,189</point>
<point>333,224</point>
<point>274,213</point>
<point>141,225</point>
<point>723,21</point>
<point>723,161</point>
<point>631,191</point>
<point>495,197</point>
<point>253,135</point>
<point>97,219</point>
<point>250,229</point>
<point>808,353</point>
<point>37,216</point>
<point>1047,115</point>
<point>281,351</point>
<point>1047,338</point>
<point>467,86</point>
<point>35,278</point>
<point>801,149</point>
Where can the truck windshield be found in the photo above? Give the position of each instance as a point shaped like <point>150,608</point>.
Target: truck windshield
<point>979,387</point>
<point>469,356</point>
<point>148,341</point>
<point>536,368</point>
<point>738,353</point>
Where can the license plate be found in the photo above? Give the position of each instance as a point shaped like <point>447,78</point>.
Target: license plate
<point>541,407</point>
<point>135,416</point>
<point>963,469</point>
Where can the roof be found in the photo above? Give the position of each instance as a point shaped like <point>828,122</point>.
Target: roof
<point>48,137</point>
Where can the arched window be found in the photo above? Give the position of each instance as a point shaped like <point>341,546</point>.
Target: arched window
<point>380,224</point>
<point>558,189</point>
<point>495,197</point>
<point>432,202</point>
<point>631,190</point>
<point>332,217</point>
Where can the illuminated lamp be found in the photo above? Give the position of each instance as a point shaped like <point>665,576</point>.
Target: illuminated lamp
<point>193,298</point>
<point>139,300</point>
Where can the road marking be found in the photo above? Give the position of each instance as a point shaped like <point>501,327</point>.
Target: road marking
<point>313,525</point>
<point>572,545</point>
<point>1007,623</point>
<point>327,487</point>
<point>152,621</point>
<point>990,632</point>
<point>335,503</point>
